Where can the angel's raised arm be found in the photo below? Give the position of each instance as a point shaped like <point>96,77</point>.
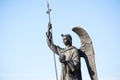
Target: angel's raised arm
<point>52,46</point>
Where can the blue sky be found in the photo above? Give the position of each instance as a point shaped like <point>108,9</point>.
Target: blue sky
<point>24,54</point>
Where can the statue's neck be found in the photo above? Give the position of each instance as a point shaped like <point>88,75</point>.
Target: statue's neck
<point>69,45</point>
<point>68,48</point>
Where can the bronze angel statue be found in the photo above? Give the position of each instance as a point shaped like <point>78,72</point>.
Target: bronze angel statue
<point>70,56</point>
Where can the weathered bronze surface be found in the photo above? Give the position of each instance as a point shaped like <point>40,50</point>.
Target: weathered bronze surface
<point>69,56</point>
<point>87,51</point>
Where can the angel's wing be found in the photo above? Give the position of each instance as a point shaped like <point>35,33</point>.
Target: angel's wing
<point>87,51</point>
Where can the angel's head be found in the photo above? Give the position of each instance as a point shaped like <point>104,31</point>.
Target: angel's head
<point>67,39</point>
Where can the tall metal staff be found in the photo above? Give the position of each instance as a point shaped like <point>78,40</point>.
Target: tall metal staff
<point>50,28</point>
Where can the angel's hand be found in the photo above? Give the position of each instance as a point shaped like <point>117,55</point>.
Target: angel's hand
<point>48,33</point>
<point>62,58</point>
<point>49,26</point>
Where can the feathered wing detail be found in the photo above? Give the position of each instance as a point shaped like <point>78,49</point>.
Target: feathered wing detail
<point>87,51</point>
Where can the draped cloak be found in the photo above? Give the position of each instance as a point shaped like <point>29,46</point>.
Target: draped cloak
<point>72,69</point>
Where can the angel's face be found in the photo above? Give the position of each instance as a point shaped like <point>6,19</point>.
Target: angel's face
<point>66,41</point>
